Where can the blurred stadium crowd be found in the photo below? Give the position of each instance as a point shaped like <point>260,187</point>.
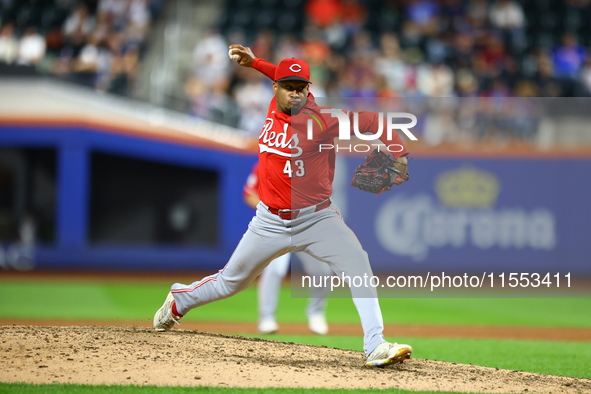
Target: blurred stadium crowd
<point>96,43</point>
<point>396,48</point>
<point>356,48</point>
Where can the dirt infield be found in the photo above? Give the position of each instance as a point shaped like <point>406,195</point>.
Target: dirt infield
<point>390,330</point>
<point>138,355</point>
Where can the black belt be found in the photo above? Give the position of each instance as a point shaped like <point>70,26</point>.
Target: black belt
<point>287,214</point>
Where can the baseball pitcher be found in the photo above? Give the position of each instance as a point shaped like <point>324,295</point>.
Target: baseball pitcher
<point>295,213</point>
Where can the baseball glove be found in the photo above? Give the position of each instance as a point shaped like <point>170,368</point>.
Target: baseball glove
<point>378,173</point>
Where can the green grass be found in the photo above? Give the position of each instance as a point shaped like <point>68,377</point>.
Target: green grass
<point>85,389</point>
<point>528,356</point>
<point>137,301</point>
<point>96,300</point>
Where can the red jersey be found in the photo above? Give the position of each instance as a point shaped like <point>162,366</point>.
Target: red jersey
<point>294,172</point>
<point>251,187</point>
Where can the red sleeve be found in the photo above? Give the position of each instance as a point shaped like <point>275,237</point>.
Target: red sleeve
<point>251,187</point>
<point>369,123</point>
<point>264,67</point>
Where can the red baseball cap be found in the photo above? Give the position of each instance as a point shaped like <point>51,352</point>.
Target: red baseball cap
<point>292,70</point>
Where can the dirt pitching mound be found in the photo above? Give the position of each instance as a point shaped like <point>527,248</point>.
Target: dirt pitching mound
<point>140,356</point>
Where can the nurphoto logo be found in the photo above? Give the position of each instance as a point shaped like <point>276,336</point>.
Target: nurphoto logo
<point>345,129</point>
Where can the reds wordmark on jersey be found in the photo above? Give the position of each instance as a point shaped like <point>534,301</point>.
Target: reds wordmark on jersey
<point>294,173</point>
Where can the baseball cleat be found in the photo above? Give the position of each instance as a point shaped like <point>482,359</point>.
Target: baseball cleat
<point>268,326</point>
<point>317,324</point>
<point>388,353</point>
<point>165,319</point>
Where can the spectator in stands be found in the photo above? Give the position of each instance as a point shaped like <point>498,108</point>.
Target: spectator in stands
<point>80,21</point>
<point>526,88</point>
<point>453,15</point>
<point>288,46</point>
<point>423,15</point>
<point>365,78</point>
<point>353,16</point>
<point>8,44</point>
<point>114,11</point>
<point>211,103</point>
<point>335,63</point>
<point>336,37</point>
<point>421,23</point>
<point>323,13</point>
<point>210,58</point>
<point>438,48</point>
<point>466,83</point>
<point>263,42</point>
<point>476,19</point>
<point>138,17</point>
<point>413,58</point>
<point>498,89</point>
<point>314,48</point>
<point>528,113</point>
<point>544,76</point>
<point>104,25</point>
<point>462,51</point>
<point>569,58</point>
<point>523,115</point>
<point>435,80</point>
<point>31,47</point>
<point>507,15</point>
<point>492,58</point>
<point>477,11</point>
<point>389,63</point>
<point>123,68</point>
<point>99,44</point>
<point>54,40</point>
<point>222,106</point>
<point>441,125</point>
<point>410,48</point>
<point>252,96</point>
<point>198,98</point>
<point>71,48</point>
<point>94,58</point>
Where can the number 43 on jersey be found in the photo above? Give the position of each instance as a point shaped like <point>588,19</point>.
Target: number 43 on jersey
<point>298,167</point>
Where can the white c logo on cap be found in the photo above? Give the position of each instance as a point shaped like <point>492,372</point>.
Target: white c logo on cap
<point>296,68</point>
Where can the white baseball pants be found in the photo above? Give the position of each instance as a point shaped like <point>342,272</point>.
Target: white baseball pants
<point>322,234</point>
